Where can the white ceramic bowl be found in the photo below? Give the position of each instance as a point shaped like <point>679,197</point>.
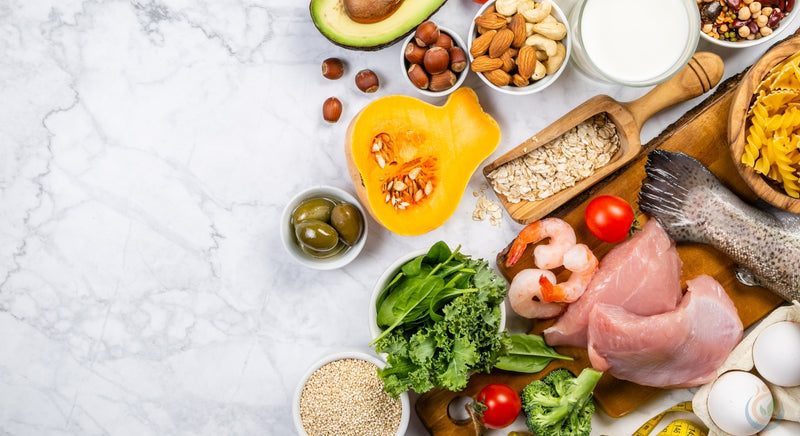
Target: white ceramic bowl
<point>384,280</point>
<point>784,23</point>
<point>538,85</point>
<point>404,64</point>
<point>346,354</point>
<point>290,242</point>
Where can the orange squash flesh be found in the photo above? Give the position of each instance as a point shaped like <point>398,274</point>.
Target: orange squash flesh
<point>426,148</point>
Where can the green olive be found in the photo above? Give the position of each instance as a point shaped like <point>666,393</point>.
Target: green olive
<point>347,220</point>
<point>313,209</point>
<point>316,235</point>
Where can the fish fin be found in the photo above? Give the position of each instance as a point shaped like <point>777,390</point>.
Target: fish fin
<point>745,277</point>
<point>665,193</point>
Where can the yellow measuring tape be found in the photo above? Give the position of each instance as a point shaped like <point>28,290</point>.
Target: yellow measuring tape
<point>679,427</point>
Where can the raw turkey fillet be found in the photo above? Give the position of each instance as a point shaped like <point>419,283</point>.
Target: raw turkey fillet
<point>641,274</point>
<point>677,349</point>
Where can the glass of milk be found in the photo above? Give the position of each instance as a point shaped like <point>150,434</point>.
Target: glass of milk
<point>633,42</point>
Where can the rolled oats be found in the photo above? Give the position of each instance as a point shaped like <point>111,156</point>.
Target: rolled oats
<point>559,164</point>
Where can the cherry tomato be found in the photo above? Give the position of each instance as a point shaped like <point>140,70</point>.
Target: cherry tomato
<point>502,405</point>
<point>610,218</point>
<point>480,1</point>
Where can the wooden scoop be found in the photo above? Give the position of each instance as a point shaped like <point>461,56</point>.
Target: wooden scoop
<point>702,72</point>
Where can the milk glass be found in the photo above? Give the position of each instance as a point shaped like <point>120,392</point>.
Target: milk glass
<point>633,42</point>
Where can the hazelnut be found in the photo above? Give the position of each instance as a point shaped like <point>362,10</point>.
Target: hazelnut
<point>367,81</point>
<point>414,53</point>
<point>442,81</point>
<point>427,33</point>
<point>332,109</point>
<point>418,76</point>
<point>332,68</point>
<point>444,41</point>
<point>458,59</point>
<point>436,60</point>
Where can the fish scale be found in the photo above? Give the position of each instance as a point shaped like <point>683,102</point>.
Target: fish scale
<point>693,205</point>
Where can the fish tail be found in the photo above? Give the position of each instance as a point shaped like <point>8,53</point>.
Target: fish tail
<point>666,193</point>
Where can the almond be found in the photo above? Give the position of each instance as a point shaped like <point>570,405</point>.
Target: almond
<point>508,61</point>
<point>526,61</point>
<point>500,43</point>
<point>517,25</point>
<point>491,21</point>
<point>481,43</point>
<point>519,81</point>
<point>498,77</point>
<point>484,63</point>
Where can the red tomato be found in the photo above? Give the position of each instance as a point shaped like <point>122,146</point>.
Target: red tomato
<point>480,1</point>
<point>502,405</point>
<point>610,218</point>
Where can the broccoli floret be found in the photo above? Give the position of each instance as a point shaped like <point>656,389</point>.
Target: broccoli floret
<point>560,404</point>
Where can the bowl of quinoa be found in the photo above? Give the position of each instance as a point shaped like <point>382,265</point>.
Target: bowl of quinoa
<point>342,395</point>
<point>743,23</point>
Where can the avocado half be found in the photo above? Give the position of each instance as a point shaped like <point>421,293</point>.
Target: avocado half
<point>332,21</point>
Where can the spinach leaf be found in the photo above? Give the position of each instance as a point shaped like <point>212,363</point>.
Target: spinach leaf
<point>528,354</point>
<point>413,267</point>
<point>405,302</point>
<point>439,253</point>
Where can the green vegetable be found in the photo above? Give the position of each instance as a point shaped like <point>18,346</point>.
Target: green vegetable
<point>528,353</point>
<point>441,320</point>
<point>560,404</point>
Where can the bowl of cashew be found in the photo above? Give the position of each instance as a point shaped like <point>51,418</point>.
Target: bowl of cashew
<point>519,47</point>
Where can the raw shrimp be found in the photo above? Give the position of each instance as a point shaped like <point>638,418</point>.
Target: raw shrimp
<point>582,263</point>
<point>562,238</point>
<point>525,294</point>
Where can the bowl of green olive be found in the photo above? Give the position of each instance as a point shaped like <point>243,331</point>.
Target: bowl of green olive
<point>323,227</point>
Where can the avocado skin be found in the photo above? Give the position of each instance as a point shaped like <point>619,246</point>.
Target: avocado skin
<point>371,47</point>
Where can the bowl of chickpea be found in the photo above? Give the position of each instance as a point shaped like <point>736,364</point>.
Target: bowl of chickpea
<point>743,23</point>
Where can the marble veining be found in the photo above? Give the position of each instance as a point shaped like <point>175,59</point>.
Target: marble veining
<point>146,151</point>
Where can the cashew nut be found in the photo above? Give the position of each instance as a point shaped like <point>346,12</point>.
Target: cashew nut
<point>553,63</point>
<point>556,31</point>
<point>534,12</point>
<point>539,72</point>
<point>541,42</point>
<point>506,7</point>
<point>541,55</point>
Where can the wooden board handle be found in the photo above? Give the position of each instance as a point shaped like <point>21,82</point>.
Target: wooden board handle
<point>702,72</point>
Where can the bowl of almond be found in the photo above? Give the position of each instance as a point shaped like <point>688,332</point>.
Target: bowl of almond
<point>519,46</point>
<point>434,60</point>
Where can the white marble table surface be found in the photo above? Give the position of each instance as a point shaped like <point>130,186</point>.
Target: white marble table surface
<point>147,148</point>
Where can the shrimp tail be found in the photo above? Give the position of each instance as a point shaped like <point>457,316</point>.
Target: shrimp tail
<point>550,293</point>
<point>515,252</point>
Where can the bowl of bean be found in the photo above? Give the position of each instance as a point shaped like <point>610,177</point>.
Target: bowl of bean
<point>743,23</point>
<point>323,227</point>
<point>341,394</point>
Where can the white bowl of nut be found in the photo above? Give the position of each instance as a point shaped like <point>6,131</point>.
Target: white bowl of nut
<point>434,60</point>
<point>519,47</point>
<point>739,23</point>
<point>342,394</point>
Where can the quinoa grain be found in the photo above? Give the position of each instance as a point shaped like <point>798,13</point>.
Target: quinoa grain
<point>345,397</point>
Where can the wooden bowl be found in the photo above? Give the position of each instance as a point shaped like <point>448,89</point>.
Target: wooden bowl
<point>738,125</point>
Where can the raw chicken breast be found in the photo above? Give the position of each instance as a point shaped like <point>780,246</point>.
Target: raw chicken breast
<point>680,348</point>
<point>641,274</point>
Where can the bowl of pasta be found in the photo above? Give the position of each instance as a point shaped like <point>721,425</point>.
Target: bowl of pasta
<point>764,126</point>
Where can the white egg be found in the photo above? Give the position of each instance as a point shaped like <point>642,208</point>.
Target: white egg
<point>781,428</point>
<point>776,353</point>
<point>740,403</point>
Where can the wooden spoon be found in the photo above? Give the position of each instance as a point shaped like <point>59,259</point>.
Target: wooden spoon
<point>702,72</point>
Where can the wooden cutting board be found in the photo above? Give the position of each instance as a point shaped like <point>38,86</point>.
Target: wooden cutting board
<point>701,133</point>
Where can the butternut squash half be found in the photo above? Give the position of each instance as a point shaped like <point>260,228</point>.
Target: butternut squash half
<point>410,161</point>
